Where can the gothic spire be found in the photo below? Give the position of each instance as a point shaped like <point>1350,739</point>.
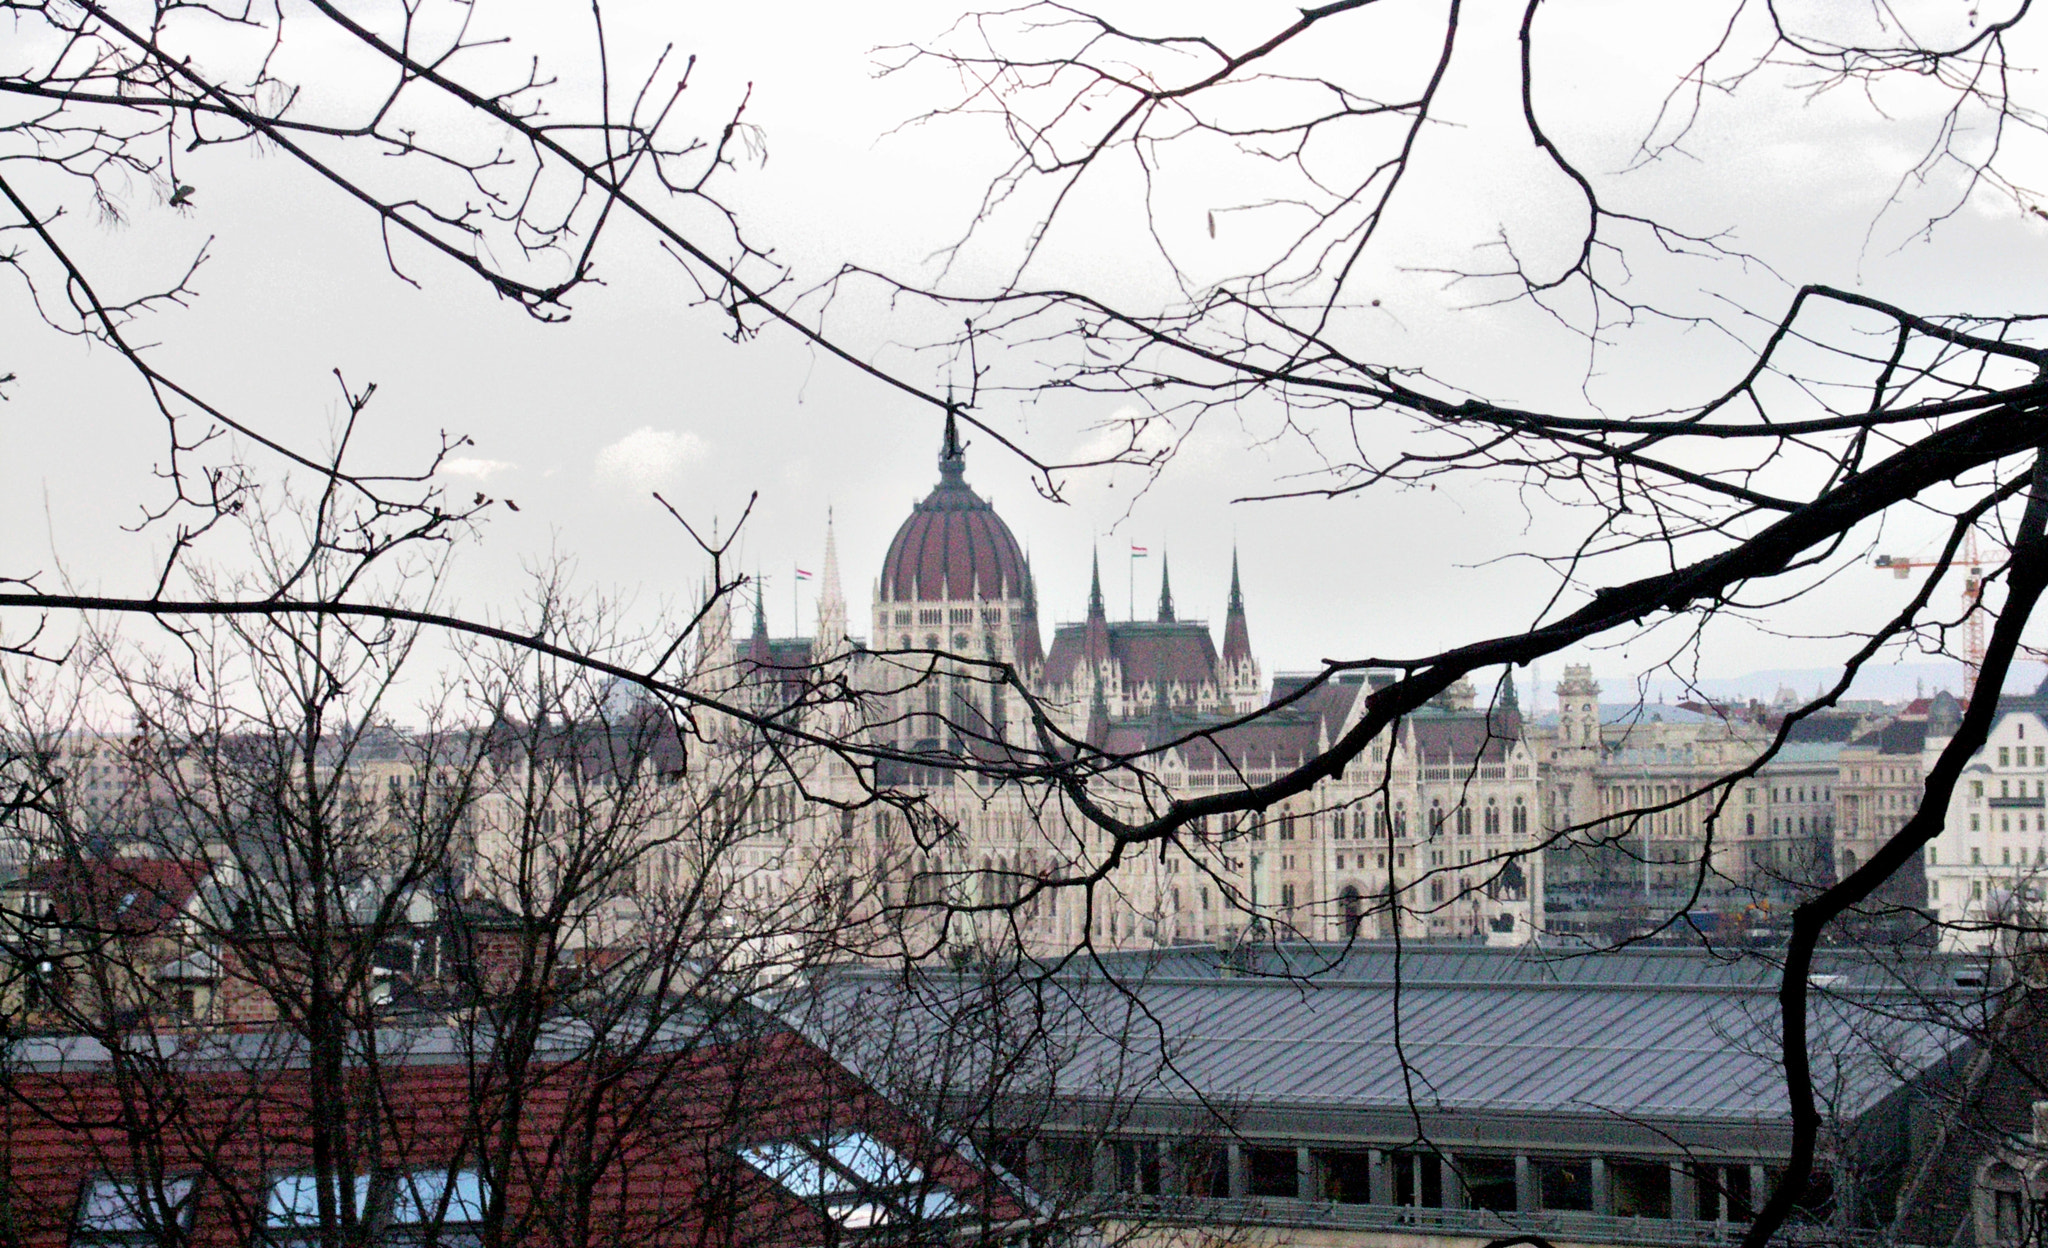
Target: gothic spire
<point>1165,591</point>
<point>758,651</point>
<point>1097,731</point>
<point>1096,634</point>
<point>1237,636</point>
<point>831,600</point>
<point>1030,650</point>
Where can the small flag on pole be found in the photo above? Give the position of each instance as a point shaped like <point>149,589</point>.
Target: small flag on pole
<point>802,575</point>
<point>1137,552</point>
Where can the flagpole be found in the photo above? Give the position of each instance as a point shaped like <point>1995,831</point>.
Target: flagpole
<point>1132,588</point>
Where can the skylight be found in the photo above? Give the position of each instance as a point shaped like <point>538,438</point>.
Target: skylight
<point>116,1208</point>
<point>295,1200</point>
<point>423,1193</point>
<point>854,1179</point>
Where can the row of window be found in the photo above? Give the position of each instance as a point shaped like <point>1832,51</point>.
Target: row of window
<point>1934,891</point>
<point>1627,1187</point>
<point>957,615</point>
<point>2005,855</point>
<point>2005,789</point>
<point>2005,823</point>
<point>1884,775</point>
<point>401,1204</point>
<point>1492,817</point>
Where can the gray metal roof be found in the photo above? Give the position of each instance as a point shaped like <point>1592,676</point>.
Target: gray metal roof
<point>1417,963</point>
<point>1664,1034</point>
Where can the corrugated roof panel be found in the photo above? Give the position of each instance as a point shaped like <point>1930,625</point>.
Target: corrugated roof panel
<point>1640,1037</point>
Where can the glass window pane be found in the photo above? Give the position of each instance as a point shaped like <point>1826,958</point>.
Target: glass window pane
<point>295,1199</point>
<point>795,1168</point>
<point>872,1161</point>
<point>421,1192</point>
<point>939,1203</point>
<point>116,1205</point>
<point>858,1215</point>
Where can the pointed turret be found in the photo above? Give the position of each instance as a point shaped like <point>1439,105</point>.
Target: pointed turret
<point>1098,614</point>
<point>1240,669</point>
<point>757,649</point>
<point>1237,636</point>
<point>714,641</point>
<point>1504,719</point>
<point>1095,642</point>
<point>1097,731</point>
<point>1025,642</point>
<point>1165,591</point>
<point>831,600</point>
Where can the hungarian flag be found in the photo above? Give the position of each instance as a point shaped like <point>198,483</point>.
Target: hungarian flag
<point>1137,551</point>
<point>802,575</point>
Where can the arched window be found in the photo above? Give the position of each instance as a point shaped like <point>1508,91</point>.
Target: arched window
<point>1352,909</point>
<point>1436,819</point>
<point>1520,820</point>
<point>1464,819</point>
<point>1400,818</point>
<point>1492,818</point>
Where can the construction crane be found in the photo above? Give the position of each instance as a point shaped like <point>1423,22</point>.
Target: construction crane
<point>1973,598</point>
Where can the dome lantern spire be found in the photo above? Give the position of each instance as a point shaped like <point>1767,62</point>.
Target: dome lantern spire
<point>953,547</point>
<point>952,455</point>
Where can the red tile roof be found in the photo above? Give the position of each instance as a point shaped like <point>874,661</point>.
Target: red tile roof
<point>131,895</point>
<point>658,1142</point>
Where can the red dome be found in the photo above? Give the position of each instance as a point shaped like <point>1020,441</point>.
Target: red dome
<point>954,547</point>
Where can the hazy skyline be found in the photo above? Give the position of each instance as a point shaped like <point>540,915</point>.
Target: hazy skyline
<point>639,392</point>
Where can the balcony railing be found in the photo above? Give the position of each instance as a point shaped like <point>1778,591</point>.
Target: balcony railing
<point>1556,1224</point>
<point>2017,803</point>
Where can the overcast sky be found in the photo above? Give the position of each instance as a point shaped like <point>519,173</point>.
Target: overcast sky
<point>640,391</point>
